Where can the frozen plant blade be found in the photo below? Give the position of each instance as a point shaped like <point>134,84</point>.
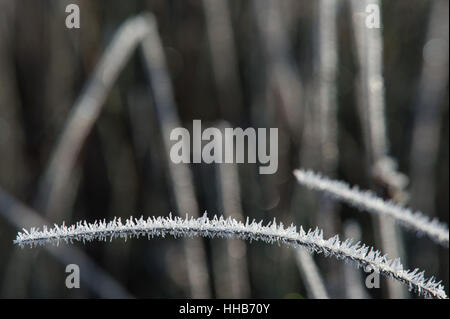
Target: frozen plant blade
<point>368,201</point>
<point>360,255</point>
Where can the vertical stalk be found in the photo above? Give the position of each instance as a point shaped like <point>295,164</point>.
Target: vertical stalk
<point>179,174</point>
<point>371,100</point>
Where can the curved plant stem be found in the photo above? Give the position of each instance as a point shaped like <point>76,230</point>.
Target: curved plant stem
<point>360,255</point>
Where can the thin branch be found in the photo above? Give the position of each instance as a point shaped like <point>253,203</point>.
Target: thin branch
<point>366,200</point>
<point>360,255</point>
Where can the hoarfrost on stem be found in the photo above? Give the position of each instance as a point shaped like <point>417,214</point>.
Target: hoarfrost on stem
<point>366,200</point>
<point>359,254</point>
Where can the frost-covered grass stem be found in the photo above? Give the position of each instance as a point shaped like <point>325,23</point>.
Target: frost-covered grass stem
<point>360,255</point>
<point>368,201</point>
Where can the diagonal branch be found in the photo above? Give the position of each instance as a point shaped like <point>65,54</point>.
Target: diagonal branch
<point>368,201</point>
<point>87,109</point>
<point>100,282</point>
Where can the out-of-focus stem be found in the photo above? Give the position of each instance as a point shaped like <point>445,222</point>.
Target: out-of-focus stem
<point>180,175</point>
<point>326,65</point>
<point>86,110</point>
<point>431,90</point>
<point>319,142</point>
<point>234,280</point>
<point>310,275</point>
<point>223,57</point>
<point>237,269</point>
<point>13,169</point>
<point>371,101</point>
<point>281,72</point>
<point>20,216</point>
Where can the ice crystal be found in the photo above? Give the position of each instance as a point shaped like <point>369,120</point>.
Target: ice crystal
<point>366,200</point>
<point>359,254</point>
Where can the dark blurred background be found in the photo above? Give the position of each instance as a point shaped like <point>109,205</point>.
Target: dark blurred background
<point>251,64</point>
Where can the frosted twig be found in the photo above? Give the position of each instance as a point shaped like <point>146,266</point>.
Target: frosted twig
<point>368,201</point>
<point>359,254</point>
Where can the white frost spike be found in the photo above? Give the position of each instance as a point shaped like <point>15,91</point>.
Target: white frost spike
<point>231,228</point>
<point>366,200</point>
